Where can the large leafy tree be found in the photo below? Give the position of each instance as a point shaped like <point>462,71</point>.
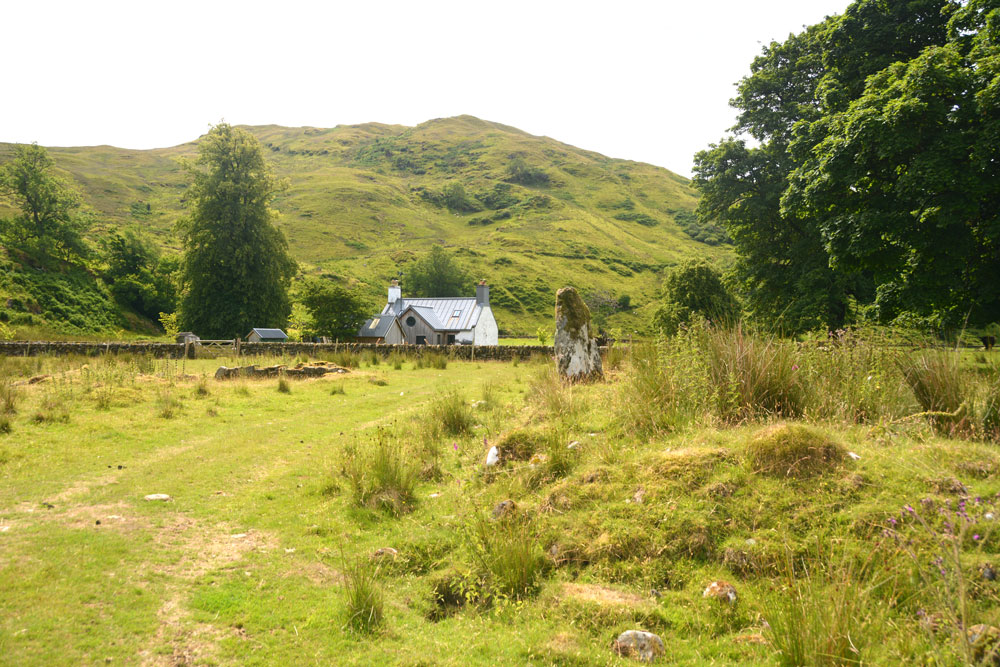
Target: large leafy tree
<point>335,311</point>
<point>903,183</point>
<point>138,275</point>
<point>50,223</point>
<point>236,269</point>
<point>784,266</point>
<point>436,274</point>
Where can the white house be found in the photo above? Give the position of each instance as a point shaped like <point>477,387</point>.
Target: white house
<point>435,321</point>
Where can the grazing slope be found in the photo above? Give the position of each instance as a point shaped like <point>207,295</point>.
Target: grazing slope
<point>363,201</point>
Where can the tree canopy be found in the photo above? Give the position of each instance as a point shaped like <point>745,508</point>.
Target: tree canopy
<point>236,268</point>
<point>50,223</point>
<point>437,274</point>
<point>335,311</point>
<point>870,177</point>
<point>138,276</point>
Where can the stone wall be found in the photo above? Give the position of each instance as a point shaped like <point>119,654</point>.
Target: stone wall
<point>176,351</point>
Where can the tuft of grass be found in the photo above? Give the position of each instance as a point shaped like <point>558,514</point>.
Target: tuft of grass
<point>792,450</point>
<point>363,598</point>
<point>822,615</point>
<point>103,397</point>
<point>201,389</point>
<point>508,553</point>
<point>337,389</point>
<point>432,360</point>
<point>5,424</point>
<point>167,405</point>
<point>556,398</point>
<point>751,376</point>
<point>451,415</point>
<point>283,385</point>
<point>381,474</point>
<point>942,389</point>
<point>9,397</point>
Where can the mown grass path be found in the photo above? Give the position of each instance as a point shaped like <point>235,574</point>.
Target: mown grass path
<point>91,571</point>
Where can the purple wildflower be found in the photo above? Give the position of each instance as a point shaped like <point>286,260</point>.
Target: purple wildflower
<point>976,537</point>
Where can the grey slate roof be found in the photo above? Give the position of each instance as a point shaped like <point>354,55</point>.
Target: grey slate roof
<point>381,328</point>
<point>268,333</point>
<point>443,312</point>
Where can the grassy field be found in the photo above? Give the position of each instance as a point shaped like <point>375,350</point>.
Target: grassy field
<point>828,515</point>
<point>364,201</point>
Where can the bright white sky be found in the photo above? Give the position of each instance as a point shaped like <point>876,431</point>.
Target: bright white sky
<point>646,81</point>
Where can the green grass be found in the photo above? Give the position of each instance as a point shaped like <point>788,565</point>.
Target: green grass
<point>266,553</point>
<point>357,209</point>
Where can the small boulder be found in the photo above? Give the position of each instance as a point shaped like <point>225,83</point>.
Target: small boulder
<point>578,356</point>
<point>722,591</point>
<point>385,552</point>
<point>504,508</point>
<point>493,456</point>
<point>158,496</point>
<point>638,644</point>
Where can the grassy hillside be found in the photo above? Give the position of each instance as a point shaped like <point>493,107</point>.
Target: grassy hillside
<point>363,201</point>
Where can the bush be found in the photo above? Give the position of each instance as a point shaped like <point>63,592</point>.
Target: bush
<point>792,450</point>
<point>382,475</point>
<point>692,290</point>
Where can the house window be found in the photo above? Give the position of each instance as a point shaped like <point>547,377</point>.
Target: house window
<point>421,340</point>
<point>410,321</point>
<point>451,339</point>
<point>374,323</point>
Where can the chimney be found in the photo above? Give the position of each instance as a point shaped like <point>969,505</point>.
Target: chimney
<point>395,296</point>
<point>482,294</point>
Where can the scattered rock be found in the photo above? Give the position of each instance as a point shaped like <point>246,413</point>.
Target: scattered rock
<point>537,459</point>
<point>385,552</point>
<point>720,490</point>
<point>949,485</point>
<point>637,644</point>
<point>989,574</point>
<point>4,529</point>
<point>299,371</point>
<point>985,642</point>
<point>493,456</point>
<point>158,496</point>
<point>578,356</point>
<point>504,508</point>
<point>854,456</point>
<point>573,445</point>
<point>434,495</point>
<point>638,496</point>
<point>722,591</point>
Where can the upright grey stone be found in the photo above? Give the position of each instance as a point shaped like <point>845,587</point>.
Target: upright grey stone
<point>578,356</point>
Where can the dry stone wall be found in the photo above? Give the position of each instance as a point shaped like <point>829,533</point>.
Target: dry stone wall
<point>177,351</point>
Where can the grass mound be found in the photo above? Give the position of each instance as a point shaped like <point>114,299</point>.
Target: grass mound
<point>792,450</point>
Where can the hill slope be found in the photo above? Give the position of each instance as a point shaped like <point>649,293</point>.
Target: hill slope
<point>365,200</point>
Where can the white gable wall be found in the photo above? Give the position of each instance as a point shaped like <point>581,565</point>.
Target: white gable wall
<point>486,332</point>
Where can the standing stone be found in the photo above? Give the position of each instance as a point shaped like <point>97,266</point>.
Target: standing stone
<point>578,356</point>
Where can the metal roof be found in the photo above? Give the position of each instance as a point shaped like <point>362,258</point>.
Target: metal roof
<point>443,312</point>
<point>376,327</point>
<point>268,333</point>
